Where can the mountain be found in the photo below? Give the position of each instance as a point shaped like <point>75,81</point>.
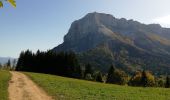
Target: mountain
<point>102,40</point>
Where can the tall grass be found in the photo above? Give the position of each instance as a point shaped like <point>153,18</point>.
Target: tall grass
<point>62,88</point>
<point>4,79</point>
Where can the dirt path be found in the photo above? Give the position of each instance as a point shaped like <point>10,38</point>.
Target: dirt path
<point>22,88</point>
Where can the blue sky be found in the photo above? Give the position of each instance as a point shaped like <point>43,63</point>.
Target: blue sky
<point>41,24</point>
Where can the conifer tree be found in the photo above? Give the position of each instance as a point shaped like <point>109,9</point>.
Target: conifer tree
<point>110,74</point>
<point>0,65</point>
<point>167,84</point>
<point>62,63</point>
<point>80,72</point>
<point>8,64</point>
<point>88,69</point>
<point>144,79</point>
<point>99,77</point>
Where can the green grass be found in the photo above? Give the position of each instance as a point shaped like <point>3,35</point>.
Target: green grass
<point>72,89</point>
<point>4,78</point>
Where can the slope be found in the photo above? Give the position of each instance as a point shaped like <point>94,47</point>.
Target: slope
<point>73,89</point>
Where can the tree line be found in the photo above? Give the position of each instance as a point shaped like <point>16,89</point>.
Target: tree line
<point>66,64</point>
<point>9,65</point>
<point>63,63</point>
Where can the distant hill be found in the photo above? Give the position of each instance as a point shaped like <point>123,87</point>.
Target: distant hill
<point>102,40</point>
<point>4,60</point>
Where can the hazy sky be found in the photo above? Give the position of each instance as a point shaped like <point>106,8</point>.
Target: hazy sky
<point>41,24</point>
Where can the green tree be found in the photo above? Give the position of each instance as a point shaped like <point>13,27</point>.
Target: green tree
<point>12,2</point>
<point>80,72</point>
<point>99,77</point>
<point>88,69</point>
<point>0,65</point>
<point>167,84</point>
<point>110,75</point>
<point>61,63</point>
<point>160,83</point>
<point>8,63</point>
<point>144,79</point>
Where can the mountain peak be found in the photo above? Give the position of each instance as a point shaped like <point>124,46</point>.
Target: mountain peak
<point>101,37</point>
<point>99,17</point>
<point>96,14</point>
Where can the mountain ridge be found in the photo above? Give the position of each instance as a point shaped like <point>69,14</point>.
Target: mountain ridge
<point>96,31</point>
<point>4,60</point>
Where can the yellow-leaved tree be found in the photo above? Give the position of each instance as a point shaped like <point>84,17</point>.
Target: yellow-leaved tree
<point>12,2</point>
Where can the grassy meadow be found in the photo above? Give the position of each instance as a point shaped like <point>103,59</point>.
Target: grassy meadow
<point>62,88</point>
<point>4,78</point>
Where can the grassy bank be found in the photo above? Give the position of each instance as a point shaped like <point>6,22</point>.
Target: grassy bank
<point>4,78</point>
<point>72,89</point>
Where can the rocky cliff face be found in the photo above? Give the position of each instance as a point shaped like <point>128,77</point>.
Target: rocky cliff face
<point>103,39</point>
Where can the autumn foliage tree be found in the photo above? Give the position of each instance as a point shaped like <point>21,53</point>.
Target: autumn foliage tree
<point>144,78</point>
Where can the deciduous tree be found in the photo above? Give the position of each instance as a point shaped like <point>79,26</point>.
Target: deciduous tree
<point>12,2</point>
